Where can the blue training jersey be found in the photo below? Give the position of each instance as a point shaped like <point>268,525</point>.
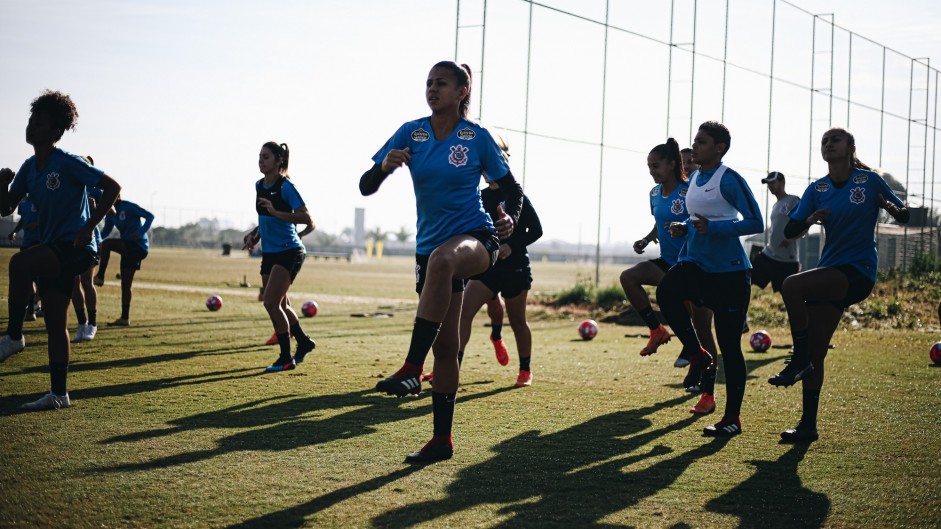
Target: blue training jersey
<point>720,250</point>
<point>59,192</point>
<point>28,217</point>
<point>129,218</point>
<point>95,193</point>
<point>851,223</point>
<point>280,235</point>
<point>666,210</point>
<point>445,176</point>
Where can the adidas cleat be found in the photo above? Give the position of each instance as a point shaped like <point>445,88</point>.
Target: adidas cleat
<point>727,427</point>
<point>791,373</point>
<point>432,451</point>
<point>800,434</point>
<point>400,384</point>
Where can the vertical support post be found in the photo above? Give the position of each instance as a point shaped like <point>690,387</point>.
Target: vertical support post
<point>725,56</point>
<point>813,64</point>
<point>774,18</point>
<point>480,73</point>
<point>849,82</point>
<point>692,78</point>
<point>604,90</point>
<point>669,66</point>
<point>529,56</point>
<point>908,157</point>
<point>457,29</point>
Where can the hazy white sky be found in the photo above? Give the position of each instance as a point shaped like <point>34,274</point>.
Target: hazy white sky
<point>176,97</point>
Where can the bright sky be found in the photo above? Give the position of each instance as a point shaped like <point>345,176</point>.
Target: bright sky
<point>176,97</point>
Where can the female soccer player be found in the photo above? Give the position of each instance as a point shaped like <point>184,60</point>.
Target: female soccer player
<point>456,240</point>
<point>511,276</point>
<point>713,269</point>
<point>846,202</point>
<point>55,181</point>
<point>280,208</point>
<point>667,204</point>
<point>84,294</point>
<point>133,222</point>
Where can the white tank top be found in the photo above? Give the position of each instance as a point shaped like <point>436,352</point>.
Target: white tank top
<point>707,200</point>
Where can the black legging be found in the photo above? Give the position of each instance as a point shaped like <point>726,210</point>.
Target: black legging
<point>728,295</point>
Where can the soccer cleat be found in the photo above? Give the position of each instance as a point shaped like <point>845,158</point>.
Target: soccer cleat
<point>30,316</point>
<point>401,383</point>
<point>525,378</point>
<point>49,401</point>
<point>499,348</point>
<point>120,322</point>
<point>698,365</point>
<point>727,427</point>
<point>428,377</point>
<point>90,332</point>
<point>9,346</point>
<point>791,373</point>
<point>99,281</point>
<point>432,451</point>
<point>273,340</point>
<point>705,406</point>
<point>303,349</point>
<point>658,337</point>
<point>281,364</point>
<point>79,333</point>
<point>800,434</point>
<point>681,361</point>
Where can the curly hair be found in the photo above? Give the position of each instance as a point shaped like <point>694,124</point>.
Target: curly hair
<point>59,107</point>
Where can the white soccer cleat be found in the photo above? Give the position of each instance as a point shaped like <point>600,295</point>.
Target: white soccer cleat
<point>79,333</point>
<point>90,332</point>
<point>49,401</point>
<point>9,346</point>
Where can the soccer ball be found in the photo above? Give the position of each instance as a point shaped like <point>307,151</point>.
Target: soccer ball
<point>760,341</point>
<point>936,353</point>
<point>588,329</point>
<point>214,303</point>
<point>309,308</point>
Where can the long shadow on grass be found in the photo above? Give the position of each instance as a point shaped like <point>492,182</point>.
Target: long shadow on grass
<point>274,424</point>
<point>572,478</point>
<point>774,496</point>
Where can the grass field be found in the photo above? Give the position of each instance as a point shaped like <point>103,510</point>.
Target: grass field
<point>173,424</point>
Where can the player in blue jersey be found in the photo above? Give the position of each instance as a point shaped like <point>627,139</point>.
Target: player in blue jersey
<point>133,222</point>
<point>713,270</point>
<point>27,212</point>
<point>84,294</point>
<point>456,240</point>
<point>56,182</point>
<point>280,209</point>
<point>847,203</point>
<point>667,205</point>
<point>511,277</point>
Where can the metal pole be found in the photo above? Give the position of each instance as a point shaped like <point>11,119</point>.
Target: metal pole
<point>604,87</point>
<point>529,55</point>
<point>725,56</point>
<point>924,163</point>
<point>813,61</point>
<point>692,82</point>
<point>774,16</point>
<point>832,60</point>
<point>457,28</point>
<point>882,113</point>
<point>908,157</point>
<point>849,82</point>
<point>669,66</point>
<point>934,153</point>
<point>480,74</point>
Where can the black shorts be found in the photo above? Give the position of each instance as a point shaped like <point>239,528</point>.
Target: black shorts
<point>660,263</point>
<point>490,241</point>
<point>131,256</point>
<point>767,270</point>
<point>290,260</point>
<point>725,291</point>
<point>859,287</point>
<point>72,262</point>
<point>509,280</point>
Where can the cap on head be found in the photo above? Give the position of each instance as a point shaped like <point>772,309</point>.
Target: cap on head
<point>773,176</point>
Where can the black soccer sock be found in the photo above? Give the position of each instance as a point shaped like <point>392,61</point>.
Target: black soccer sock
<point>424,334</point>
<point>650,318</point>
<point>299,334</point>
<point>58,373</point>
<point>442,407</point>
<point>460,358</point>
<point>17,312</point>
<point>284,341</point>
<point>524,363</point>
<point>80,315</point>
<point>708,384</point>
<point>93,318</point>
<point>801,346</point>
<point>125,312</point>
<point>811,403</point>
<point>496,331</point>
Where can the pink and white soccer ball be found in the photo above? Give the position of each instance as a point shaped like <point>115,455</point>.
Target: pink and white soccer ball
<point>588,329</point>
<point>309,308</point>
<point>214,303</point>
<point>935,353</point>
<point>760,341</point>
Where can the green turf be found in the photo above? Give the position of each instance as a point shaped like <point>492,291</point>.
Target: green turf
<point>174,426</point>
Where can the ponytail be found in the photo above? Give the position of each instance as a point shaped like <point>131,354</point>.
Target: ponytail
<point>851,140</point>
<point>462,73</point>
<point>281,152</point>
<point>670,151</point>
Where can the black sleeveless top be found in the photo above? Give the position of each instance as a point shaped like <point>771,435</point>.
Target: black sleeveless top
<point>273,194</point>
